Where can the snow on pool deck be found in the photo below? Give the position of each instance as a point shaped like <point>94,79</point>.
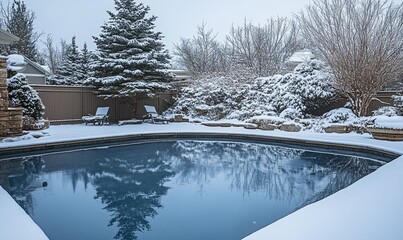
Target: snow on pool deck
<point>369,209</point>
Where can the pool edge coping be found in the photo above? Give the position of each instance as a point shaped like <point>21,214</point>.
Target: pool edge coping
<point>393,154</point>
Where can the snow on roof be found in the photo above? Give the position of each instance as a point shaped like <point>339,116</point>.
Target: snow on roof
<point>16,62</point>
<point>46,67</point>
<point>301,56</point>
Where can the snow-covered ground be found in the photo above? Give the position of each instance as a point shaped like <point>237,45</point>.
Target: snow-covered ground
<point>369,209</point>
<point>15,223</point>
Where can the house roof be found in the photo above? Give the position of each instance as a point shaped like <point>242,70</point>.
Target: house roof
<point>35,65</point>
<point>7,38</point>
<point>17,62</point>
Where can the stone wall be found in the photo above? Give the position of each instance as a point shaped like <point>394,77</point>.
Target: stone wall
<point>10,118</point>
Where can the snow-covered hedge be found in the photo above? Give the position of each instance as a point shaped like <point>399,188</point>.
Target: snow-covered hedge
<point>242,97</point>
<point>22,95</point>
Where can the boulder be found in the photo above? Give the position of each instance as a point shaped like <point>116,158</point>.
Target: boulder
<point>338,129</point>
<point>216,124</point>
<point>180,118</point>
<point>268,127</point>
<point>250,126</point>
<point>290,127</point>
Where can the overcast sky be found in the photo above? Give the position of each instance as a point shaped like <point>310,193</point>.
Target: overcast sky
<point>176,18</point>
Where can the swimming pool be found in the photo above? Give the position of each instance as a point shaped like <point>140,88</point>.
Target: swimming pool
<point>174,189</point>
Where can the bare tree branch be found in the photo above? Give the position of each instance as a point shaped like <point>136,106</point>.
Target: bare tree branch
<point>361,40</point>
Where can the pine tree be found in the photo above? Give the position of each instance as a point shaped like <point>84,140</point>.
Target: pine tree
<point>131,59</point>
<point>68,71</point>
<point>20,21</point>
<point>83,72</point>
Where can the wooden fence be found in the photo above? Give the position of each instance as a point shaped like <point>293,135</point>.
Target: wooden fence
<point>67,104</point>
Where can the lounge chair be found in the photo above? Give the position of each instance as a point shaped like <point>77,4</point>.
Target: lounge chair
<point>153,116</point>
<point>101,117</point>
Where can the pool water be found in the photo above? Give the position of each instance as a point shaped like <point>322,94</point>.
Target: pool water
<point>179,189</point>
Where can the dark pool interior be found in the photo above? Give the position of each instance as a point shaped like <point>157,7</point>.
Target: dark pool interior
<point>176,189</point>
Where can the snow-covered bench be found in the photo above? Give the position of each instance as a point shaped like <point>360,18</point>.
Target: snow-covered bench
<point>153,116</point>
<point>101,117</point>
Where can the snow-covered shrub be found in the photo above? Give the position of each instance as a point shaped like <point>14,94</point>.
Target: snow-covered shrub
<point>398,103</point>
<point>307,88</point>
<point>243,97</point>
<point>215,96</point>
<point>265,119</point>
<point>22,95</point>
<point>210,98</point>
<point>386,111</point>
<point>339,115</point>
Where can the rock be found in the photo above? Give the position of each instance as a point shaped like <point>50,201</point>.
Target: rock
<point>338,129</point>
<point>130,122</point>
<point>216,124</point>
<point>179,118</point>
<point>268,127</point>
<point>290,127</point>
<point>250,126</point>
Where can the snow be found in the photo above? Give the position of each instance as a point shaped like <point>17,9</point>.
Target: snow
<point>394,122</point>
<point>369,209</point>
<point>15,223</point>
<point>16,62</point>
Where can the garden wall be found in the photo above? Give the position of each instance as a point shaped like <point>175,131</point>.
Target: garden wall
<point>67,104</point>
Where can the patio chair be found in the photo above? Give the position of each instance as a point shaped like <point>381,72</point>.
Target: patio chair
<point>101,117</point>
<point>153,116</point>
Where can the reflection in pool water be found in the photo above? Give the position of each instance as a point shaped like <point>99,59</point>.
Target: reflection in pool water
<point>173,189</point>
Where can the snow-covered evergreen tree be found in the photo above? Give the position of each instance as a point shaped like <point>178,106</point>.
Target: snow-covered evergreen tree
<point>22,95</point>
<point>83,71</point>
<point>67,73</point>
<point>20,21</point>
<point>131,59</point>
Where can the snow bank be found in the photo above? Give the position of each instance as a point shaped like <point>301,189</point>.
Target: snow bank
<point>394,122</point>
<point>15,223</point>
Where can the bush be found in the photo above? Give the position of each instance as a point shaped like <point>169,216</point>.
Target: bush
<point>339,115</point>
<point>237,95</point>
<point>386,111</point>
<point>22,95</point>
<point>398,103</point>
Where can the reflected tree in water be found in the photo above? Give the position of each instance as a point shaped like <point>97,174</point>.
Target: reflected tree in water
<point>284,174</point>
<point>21,186</point>
<point>348,169</point>
<point>131,188</point>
